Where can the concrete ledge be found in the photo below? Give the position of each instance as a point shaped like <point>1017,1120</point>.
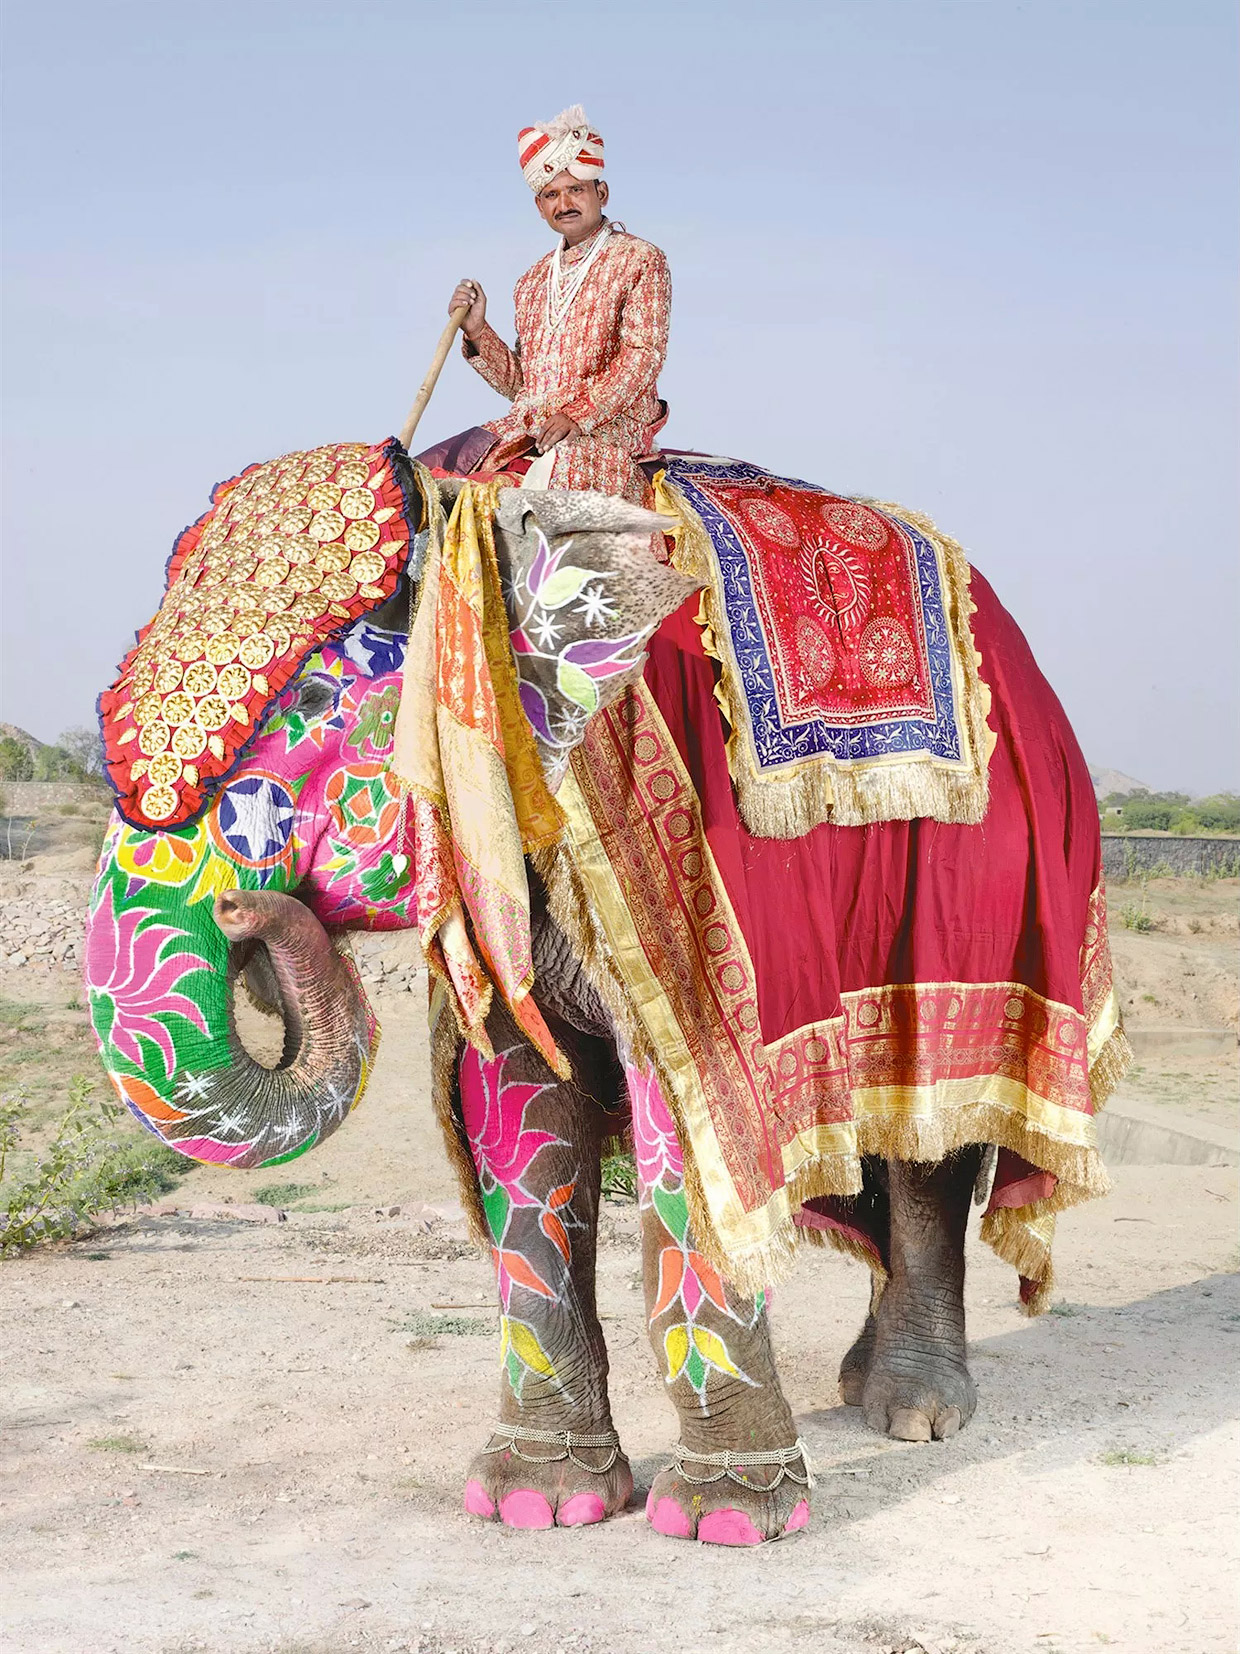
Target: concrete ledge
<point>1185,1042</point>
<point>1132,1133</point>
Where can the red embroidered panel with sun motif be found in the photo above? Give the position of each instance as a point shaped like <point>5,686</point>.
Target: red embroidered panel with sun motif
<point>290,552</point>
<point>848,665</point>
<point>835,586</point>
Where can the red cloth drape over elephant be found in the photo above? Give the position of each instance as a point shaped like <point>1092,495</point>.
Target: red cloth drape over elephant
<point>899,988</point>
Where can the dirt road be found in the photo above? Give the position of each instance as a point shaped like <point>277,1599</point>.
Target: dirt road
<point>202,1454</point>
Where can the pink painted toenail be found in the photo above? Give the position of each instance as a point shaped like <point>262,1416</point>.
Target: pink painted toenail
<point>667,1517</point>
<point>799,1517</point>
<point>728,1527</point>
<point>526,1509</point>
<point>581,1509</point>
<point>478,1501</point>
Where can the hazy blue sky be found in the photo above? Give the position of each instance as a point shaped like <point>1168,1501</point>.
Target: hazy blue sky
<point>978,257</point>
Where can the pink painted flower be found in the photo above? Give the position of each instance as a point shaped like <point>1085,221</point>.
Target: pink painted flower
<point>125,966</point>
<point>494,1111</point>
<point>655,1142</point>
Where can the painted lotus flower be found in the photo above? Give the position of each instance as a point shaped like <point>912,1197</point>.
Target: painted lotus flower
<point>129,973</point>
<point>655,1142</point>
<point>494,1112</point>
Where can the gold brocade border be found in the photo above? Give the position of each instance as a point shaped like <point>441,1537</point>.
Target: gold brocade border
<point>916,1119</point>
<point>791,800</point>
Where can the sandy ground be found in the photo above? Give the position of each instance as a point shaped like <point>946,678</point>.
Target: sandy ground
<point>198,1453</point>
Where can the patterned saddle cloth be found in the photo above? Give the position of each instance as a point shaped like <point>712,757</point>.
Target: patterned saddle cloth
<point>841,630</point>
<point>290,553</point>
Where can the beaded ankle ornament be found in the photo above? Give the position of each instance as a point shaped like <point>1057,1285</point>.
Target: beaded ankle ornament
<point>569,1440</point>
<point>733,1466</point>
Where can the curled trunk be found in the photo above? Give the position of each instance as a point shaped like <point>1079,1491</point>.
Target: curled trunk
<point>162,965</point>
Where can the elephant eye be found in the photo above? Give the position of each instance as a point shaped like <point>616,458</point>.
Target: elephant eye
<point>313,698</point>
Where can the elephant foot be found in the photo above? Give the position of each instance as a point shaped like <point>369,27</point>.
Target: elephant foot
<point>917,1393</point>
<point>726,1512</point>
<point>855,1367</point>
<point>533,1484</point>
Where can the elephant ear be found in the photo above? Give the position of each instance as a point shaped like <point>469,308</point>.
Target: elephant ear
<point>584,593</point>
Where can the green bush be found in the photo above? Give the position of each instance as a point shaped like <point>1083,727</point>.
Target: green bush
<point>88,1167</point>
<point>16,764</point>
<point>284,1194</point>
<point>1136,918</point>
<point>1143,812</point>
<point>620,1176</point>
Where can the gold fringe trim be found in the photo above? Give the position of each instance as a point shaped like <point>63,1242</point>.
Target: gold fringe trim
<point>1109,1067</point>
<point>797,799</point>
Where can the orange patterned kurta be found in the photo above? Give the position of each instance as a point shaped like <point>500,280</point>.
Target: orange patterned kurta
<point>599,367</point>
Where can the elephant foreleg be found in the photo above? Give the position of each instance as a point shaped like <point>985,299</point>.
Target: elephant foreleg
<point>739,1476</point>
<point>917,1386</point>
<point>554,1458</point>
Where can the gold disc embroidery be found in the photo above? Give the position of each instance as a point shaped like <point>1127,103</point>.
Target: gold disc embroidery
<point>234,682</point>
<point>368,566</point>
<point>164,769</point>
<point>222,648</point>
<point>327,525</point>
<point>212,713</point>
<point>199,678</point>
<point>358,502</point>
<point>153,737</point>
<point>188,741</point>
<point>158,803</point>
<point>360,536</point>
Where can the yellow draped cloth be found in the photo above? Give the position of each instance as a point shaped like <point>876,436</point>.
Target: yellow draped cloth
<point>464,755</point>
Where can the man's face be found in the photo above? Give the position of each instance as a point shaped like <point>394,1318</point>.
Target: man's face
<point>573,207</point>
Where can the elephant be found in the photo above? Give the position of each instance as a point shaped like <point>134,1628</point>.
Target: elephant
<point>302,844</point>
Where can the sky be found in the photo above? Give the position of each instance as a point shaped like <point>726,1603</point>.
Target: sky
<point>975,256</point>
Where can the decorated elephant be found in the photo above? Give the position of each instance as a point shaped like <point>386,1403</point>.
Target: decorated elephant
<point>779,854</point>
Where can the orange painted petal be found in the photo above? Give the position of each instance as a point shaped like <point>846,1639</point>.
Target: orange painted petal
<point>561,1196</point>
<point>671,1272</point>
<point>143,1096</point>
<point>709,1280</point>
<point>522,1273</point>
<point>556,1234</point>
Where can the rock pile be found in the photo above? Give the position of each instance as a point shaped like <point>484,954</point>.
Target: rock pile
<point>41,924</point>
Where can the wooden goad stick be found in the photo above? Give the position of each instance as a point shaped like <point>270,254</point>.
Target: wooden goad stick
<point>432,374</point>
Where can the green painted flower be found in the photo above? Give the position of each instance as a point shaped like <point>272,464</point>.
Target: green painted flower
<point>386,880</point>
<point>376,720</point>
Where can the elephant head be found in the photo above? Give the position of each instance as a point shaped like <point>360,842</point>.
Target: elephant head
<point>304,842</point>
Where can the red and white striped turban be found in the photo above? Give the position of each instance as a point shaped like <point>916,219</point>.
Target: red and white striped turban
<point>566,144</point>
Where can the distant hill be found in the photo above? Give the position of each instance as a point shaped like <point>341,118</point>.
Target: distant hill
<point>1115,781</point>
<point>12,732</point>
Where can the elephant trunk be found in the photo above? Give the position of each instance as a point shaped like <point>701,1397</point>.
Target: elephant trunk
<point>327,1026</point>
<point>162,1000</point>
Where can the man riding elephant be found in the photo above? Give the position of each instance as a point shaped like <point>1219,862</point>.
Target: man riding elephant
<point>592,321</point>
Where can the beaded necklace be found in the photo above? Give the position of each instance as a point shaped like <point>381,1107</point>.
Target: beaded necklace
<point>563,287</point>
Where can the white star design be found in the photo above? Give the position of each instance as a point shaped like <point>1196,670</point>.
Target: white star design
<point>194,1086</point>
<point>594,606</point>
<point>546,632</point>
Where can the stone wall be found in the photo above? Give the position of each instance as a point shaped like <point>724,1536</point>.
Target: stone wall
<point>27,798</point>
<point>1132,855</point>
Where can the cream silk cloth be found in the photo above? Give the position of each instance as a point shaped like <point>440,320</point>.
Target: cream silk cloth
<point>464,755</point>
